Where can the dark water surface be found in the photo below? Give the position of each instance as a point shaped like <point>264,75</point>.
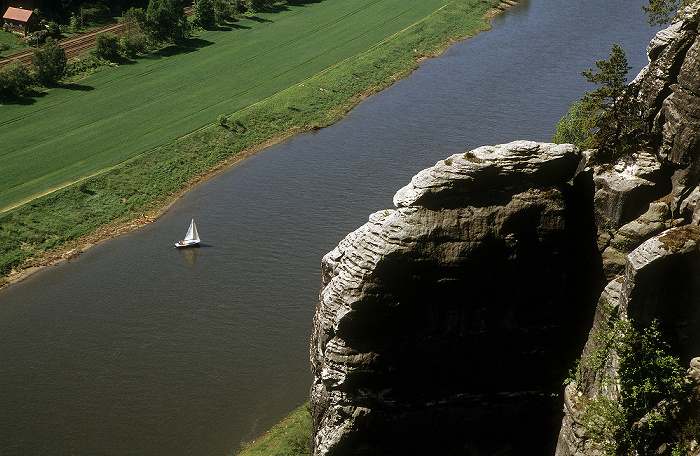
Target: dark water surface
<point>136,348</point>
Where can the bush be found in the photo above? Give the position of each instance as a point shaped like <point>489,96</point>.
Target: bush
<point>85,66</point>
<point>225,10</point>
<point>76,22</point>
<point>95,12</point>
<point>15,80</point>
<point>107,47</point>
<point>54,30</point>
<point>132,45</point>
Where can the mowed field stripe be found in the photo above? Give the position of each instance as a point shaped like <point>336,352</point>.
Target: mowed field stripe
<point>137,107</point>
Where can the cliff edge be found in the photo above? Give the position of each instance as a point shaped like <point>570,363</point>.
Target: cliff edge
<point>445,324</point>
<point>445,321</point>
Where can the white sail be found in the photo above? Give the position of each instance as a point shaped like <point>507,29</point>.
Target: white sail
<point>195,234</point>
<point>192,234</point>
<point>191,238</point>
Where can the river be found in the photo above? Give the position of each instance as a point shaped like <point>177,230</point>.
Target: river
<point>136,348</point>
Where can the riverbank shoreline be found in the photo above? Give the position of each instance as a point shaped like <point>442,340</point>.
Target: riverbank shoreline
<point>111,230</point>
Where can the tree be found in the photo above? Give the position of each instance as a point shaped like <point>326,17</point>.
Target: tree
<point>608,110</point>
<point>165,21</point>
<point>15,80</point>
<point>204,14</point>
<point>49,63</point>
<point>257,5</point>
<point>572,128</point>
<point>601,117</point>
<point>663,11</point>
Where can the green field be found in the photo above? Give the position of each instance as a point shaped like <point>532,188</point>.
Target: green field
<point>129,120</point>
<point>107,118</point>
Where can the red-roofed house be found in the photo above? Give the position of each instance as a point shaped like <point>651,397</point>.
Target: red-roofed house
<point>21,20</point>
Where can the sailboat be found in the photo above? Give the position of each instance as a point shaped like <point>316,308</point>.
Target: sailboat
<point>191,238</point>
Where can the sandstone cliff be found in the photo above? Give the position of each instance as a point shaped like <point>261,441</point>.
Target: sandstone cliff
<point>649,248</point>
<point>445,323</point>
<point>447,320</point>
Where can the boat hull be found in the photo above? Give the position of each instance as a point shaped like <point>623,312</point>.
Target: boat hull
<point>183,244</point>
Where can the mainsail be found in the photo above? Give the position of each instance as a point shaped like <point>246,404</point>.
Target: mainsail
<point>192,234</point>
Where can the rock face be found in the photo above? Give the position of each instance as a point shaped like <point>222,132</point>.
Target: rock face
<point>444,324</point>
<point>669,100</point>
<point>653,269</point>
<point>659,283</point>
<point>441,323</point>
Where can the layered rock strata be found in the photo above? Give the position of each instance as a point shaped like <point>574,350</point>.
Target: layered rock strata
<point>447,320</point>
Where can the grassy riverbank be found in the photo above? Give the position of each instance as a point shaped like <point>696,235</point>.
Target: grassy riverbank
<point>289,437</point>
<point>60,224</point>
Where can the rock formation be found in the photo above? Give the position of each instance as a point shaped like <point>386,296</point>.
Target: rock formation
<point>444,324</point>
<point>445,321</point>
<point>652,260</point>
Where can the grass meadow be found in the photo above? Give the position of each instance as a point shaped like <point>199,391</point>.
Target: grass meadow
<point>105,119</point>
<point>133,137</point>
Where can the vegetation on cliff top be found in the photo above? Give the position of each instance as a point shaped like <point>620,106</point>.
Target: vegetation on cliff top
<point>607,119</point>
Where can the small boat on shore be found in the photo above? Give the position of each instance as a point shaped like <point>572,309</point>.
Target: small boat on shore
<point>191,238</point>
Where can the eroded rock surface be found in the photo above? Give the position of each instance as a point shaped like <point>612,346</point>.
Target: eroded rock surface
<point>659,283</point>
<point>669,99</point>
<point>445,321</point>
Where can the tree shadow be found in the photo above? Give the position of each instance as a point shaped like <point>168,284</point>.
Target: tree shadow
<point>14,100</point>
<point>238,26</point>
<point>258,19</point>
<point>78,87</point>
<point>286,6</point>
<point>26,99</point>
<point>184,47</point>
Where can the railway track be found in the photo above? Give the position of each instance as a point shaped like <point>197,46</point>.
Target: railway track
<point>76,45</point>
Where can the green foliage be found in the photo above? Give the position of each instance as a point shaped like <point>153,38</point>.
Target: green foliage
<point>223,121</point>
<point>289,437</point>
<point>76,22</point>
<point>226,10</point>
<point>661,12</point>
<point>611,78</point>
<point>49,63</point>
<point>86,66</point>
<point>204,14</point>
<point>574,126</point>
<point>131,46</point>
<point>647,375</point>
<point>134,16</point>
<point>606,118</point>
<point>54,30</point>
<point>165,21</point>
<point>15,81</point>
<point>95,13</point>
<point>107,46</point>
<point>603,421</point>
<point>258,5</point>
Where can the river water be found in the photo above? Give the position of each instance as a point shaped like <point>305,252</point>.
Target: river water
<point>136,348</point>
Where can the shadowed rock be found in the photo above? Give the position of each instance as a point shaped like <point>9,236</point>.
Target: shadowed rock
<point>449,319</point>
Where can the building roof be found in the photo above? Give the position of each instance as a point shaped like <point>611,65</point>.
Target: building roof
<point>18,14</point>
